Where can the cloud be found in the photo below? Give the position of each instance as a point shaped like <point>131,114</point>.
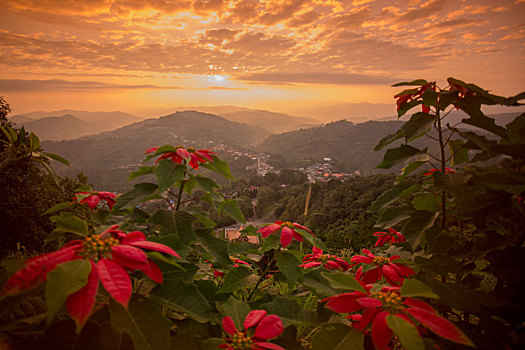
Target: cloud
<point>20,85</point>
<point>425,11</point>
<point>318,78</point>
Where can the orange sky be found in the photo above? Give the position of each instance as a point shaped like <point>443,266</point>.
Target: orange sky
<point>148,55</point>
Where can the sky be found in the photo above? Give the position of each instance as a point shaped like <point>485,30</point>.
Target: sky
<point>143,56</point>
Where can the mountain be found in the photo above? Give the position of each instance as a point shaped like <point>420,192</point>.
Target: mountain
<point>355,112</point>
<point>58,128</point>
<point>108,157</point>
<point>271,121</point>
<point>85,123</point>
<point>349,144</point>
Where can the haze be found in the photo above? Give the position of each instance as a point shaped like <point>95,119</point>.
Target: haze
<point>292,56</point>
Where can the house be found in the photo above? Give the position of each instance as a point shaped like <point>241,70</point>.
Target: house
<point>231,234</point>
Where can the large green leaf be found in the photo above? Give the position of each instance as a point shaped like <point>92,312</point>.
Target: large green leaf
<point>175,223</point>
<point>168,173</point>
<point>135,196</point>
<point>393,215</point>
<point>343,281</point>
<point>216,247</point>
<point>289,266</point>
<point>385,141</point>
<point>143,170</point>
<point>459,153</point>
<point>417,82</point>
<point>205,183</point>
<point>235,309</point>
<point>183,297</point>
<point>407,333</point>
<point>56,157</point>
<point>67,223</point>
<point>427,201</point>
<point>407,106</point>
<point>418,124</point>
<point>64,280</point>
<point>419,222</point>
<point>415,288</point>
<point>230,207</point>
<point>388,197</point>
<point>397,155</point>
<point>143,322</point>
<point>219,166</point>
<point>237,278</point>
<point>318,284</point>
<point>336,336</point>
<point>412,166</point>
<point>289,311</point>
<point>34,141</point>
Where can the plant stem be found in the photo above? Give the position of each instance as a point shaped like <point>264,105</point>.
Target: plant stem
<point>179,197</point>
<point>262,276</point>
<point>443,166</point>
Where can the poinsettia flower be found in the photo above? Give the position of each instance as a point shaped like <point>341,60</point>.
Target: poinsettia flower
<point>410,95</point>
<point>182,155</point>
<point>266,327</point>
<point>94,197</point>
<point>378,305</point>
<point>391,236</point>
<point>432,171</point>
<point>330,262</point>
<point>112,254</point>
<point>394,273</point>
<point>286,229</point>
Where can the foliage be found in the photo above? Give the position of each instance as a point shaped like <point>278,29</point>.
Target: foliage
<point>442,274</point>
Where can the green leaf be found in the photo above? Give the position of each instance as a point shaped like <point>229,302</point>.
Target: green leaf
<point>216,247</point>
<point>388,197</point>
<point>427,201</point>
<point>64,280</point>
<point>407,333</point>
<point>143,170</point>
<point>289,311</point>
<point>56,157</point>
<point>68,223</point>
<point>143,322</point>
<point>230,207</point>
<point>385,141</point>
<point>289,266</point>
<point>175,223</point>
<point>419,222</point>
<point>57,207</point>
<point>235,309</point>
<point>343,281</point>
<point>206,184</point>
<point>447,98</point>
<point>219,166</point>
<point>49,170</point>
<point>418,124</point>
<point>407,106</point>
<point>317,283</point>
<point>397,155</point>
<point>310,239</point>
<point>237,278</point>
<point>135,196</point>
<point>337,336</point>
<point>183,297</point>
<point>459,154</point>
<point>411,167</point>
<point>430,98</point>
<point>34,141</point>
<point>517,129</point>
<point>168,173</point>
<point>271,242</point>
<point>418,82</point>
<point>393,215</point>
<point>415,288</point>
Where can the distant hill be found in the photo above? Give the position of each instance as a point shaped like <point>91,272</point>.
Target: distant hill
<point>348,143</point>
<point>107,158</point>
<point>62,126</point>
<point>59,128</point>
<point>271,121</point>
<point>354,112</point>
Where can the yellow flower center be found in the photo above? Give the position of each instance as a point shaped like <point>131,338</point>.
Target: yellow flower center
<point>241,342</point>
<point>380,261</point>
<point>391,301</point>
<point>96,247</point>
<point>325,257</point>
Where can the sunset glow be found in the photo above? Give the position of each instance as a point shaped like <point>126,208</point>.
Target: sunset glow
<point>141,56</point>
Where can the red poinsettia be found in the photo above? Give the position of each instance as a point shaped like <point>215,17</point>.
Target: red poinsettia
<point>391,236</point>
<point>236,262</point>
<point>330,262</point>
<point>394,273</point>
<point>432,171</point>
<point>266,327</point>
<point>94,197</point>
<point>112,254</point>
<point>378,305</point>
<point>410,95</point>
<point>191,155</point>
<point>286,229</point>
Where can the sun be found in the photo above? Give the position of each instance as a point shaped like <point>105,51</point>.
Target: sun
<point>218,78</point>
